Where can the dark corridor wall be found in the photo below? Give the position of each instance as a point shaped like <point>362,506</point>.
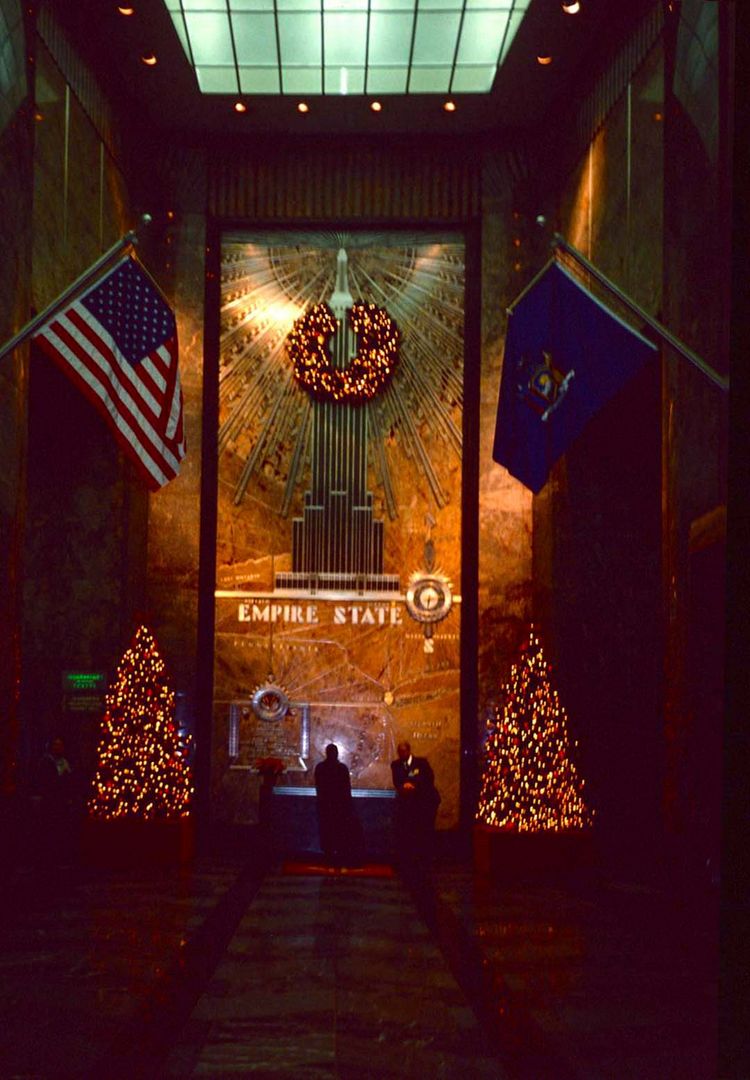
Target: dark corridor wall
<point>631,600</point>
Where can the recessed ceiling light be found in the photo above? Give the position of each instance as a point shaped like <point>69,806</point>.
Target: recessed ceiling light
<point>450,106</point>
<point>544,60</point>
<point>375,106</point>
<point>240,106</point>
<point>149,59</point>
<point>571,7</point>
<point>126,10</point>
<point>302,106</point>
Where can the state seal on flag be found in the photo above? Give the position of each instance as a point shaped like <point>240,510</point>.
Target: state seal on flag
<point>541,385</point>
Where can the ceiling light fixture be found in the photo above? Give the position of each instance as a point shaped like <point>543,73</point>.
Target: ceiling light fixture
<point>303,107</point>
<point>450,106</point>
<point>149,59</point>
<point>240,106</point>
<point>126,10</point>
<point>544,60</point>
<point>571,7</point>
<point>375,106</point>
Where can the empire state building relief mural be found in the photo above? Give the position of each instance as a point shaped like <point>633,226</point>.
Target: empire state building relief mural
<point>339,508</point>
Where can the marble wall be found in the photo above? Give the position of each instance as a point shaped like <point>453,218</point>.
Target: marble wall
<point>358,667</point>
<point>84,507</point>
<point>509,260</point>
<point>174,512</point>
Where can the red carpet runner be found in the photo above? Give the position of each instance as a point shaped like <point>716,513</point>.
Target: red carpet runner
<point>368,870</point>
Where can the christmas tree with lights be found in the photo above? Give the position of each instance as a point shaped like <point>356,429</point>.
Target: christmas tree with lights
<point>142,771</point>
<point>530,783</point>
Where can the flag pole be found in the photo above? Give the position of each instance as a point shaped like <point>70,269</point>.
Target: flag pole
<point>33,325</point>
<point>721,381</point>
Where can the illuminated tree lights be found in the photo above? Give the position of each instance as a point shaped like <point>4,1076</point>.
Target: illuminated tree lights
<point>142,771</point>
<point>365,375</point>
<point>529,783</point>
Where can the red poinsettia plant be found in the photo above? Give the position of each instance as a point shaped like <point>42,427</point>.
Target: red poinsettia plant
<point>269,767</point>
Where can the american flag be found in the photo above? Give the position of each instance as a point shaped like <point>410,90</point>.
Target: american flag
<point>117,341</point>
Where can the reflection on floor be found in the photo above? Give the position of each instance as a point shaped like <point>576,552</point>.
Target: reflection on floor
<point>222,970</point>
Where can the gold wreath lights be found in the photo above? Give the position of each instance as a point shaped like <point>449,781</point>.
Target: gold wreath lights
<point>366,374</point>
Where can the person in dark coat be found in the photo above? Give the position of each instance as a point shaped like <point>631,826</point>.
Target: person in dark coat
<point>334,802</point>
<point>417,800</point>
<point>54,793</point>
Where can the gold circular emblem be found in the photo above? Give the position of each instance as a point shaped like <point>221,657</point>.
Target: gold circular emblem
<point>429,597</point>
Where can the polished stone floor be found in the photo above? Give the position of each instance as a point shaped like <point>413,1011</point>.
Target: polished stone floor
<point>232,967</point>
<point>330,976</point>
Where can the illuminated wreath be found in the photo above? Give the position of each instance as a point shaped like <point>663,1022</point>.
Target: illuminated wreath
<point>365,375</point>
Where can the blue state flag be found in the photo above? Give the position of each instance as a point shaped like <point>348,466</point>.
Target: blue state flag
<point>566,356</point>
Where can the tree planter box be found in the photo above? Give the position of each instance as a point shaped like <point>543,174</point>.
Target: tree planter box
<point>504,854</point>
<point>136,842</point>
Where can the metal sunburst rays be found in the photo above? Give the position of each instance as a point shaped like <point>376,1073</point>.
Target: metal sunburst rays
<point>267,281</point>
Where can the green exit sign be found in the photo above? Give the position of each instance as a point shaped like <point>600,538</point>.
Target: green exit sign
<point>84,682</point>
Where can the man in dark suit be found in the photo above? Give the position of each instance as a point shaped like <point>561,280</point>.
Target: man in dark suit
<point>335,811</point>
<point>417,800</point>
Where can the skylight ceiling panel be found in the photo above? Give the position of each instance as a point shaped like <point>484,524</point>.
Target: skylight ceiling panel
<point>515,22</point>
<point>255,39</point>
<point>300,39</point>
<point>345,38</point>
<point>259,80</point>
<point>498,5</point>
<point>393,5</point>
<point>345,5</point>
<point>182,34</point>
<point>210,38</point>
<point>473,79</point>
<point>344,80</point>
<point>435,37</point>
<point>320,46</point>
<point>482,36</point>
<point>390,38</point>
<point>303,80</point>
<point>217,80</point>
<point>441,5</point>
<point>205,5</point>
<point>387,80</point>
<point>298,5</point>
<point>430,80</point>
